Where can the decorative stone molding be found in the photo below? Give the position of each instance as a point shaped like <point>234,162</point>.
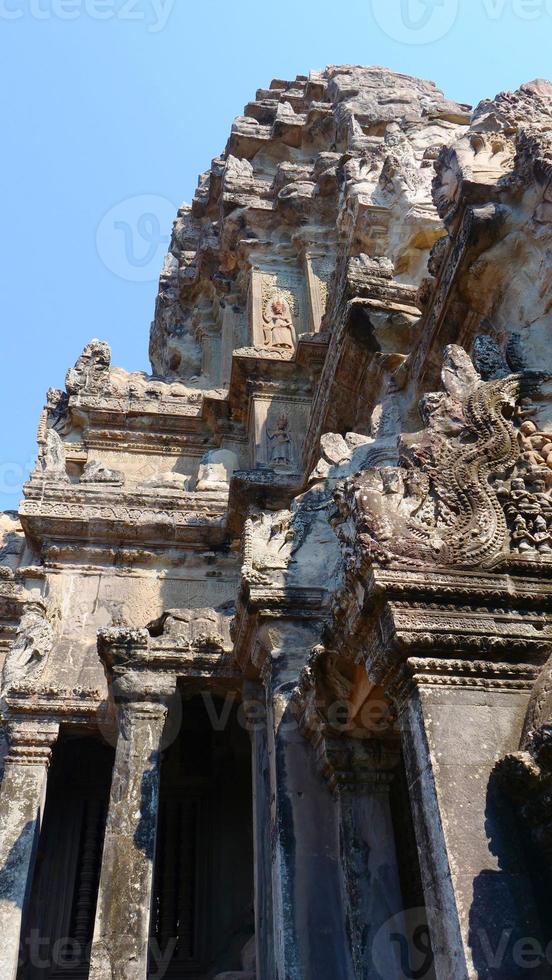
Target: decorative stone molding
<point>30,741</point>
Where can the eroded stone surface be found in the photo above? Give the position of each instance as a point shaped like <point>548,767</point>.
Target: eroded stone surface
<point>333,490</point>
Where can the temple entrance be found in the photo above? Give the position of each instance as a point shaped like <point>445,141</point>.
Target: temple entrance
<point>202,911</point>
<point>60,919</point>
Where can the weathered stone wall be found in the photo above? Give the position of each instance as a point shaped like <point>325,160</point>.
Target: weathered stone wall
<point>334,491</point>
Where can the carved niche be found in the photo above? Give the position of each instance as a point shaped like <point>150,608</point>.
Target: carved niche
<point>277,310</point>
<point>278,427</point>
<point>278,329</point>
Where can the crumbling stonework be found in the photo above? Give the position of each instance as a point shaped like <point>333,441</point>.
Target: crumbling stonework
<point>325,520</point>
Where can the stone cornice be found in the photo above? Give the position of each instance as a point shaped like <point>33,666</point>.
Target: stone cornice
<point>437,627</point>
<point>100,514</point>
<point>101,408</point>
<point>70,705</point>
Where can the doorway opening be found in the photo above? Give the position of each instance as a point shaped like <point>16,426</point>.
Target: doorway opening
<point>59,925</point>
<point>202,914</point>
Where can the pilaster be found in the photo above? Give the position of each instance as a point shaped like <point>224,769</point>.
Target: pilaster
<point>22,797</point>
<point>310,938</point>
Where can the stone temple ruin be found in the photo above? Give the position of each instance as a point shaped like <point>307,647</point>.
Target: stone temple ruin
<point>275,620</point>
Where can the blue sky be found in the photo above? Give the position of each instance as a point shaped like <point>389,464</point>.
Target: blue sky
<point>109,109</point>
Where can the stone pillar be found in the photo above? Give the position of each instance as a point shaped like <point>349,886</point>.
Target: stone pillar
<point>122,928</point>
<point>310,942</point>
<point>479,898</point>
<point>123,913</point>
<point>22,798</point>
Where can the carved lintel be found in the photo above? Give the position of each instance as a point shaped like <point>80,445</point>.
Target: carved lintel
<point>71,705</point>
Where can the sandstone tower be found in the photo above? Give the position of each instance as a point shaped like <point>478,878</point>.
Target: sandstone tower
<point>275,619</point>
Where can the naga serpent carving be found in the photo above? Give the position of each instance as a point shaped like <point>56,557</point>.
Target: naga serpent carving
<point>439,503</point>
<point>479,532</point>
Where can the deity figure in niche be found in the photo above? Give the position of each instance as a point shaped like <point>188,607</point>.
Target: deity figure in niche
<point>280,443</point>
<point>278,324</point>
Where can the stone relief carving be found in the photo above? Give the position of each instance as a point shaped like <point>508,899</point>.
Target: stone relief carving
<point>31,647</point>
<point>278,427</point>
<point>203,629</point>
<point>281,453</point>
<point>53,461</point>
<point>278,329</point>
<point>439,503</point>
<point>296,547</point>
<point>269,541</point>
<point>91,372</point>
<point>526,495</point>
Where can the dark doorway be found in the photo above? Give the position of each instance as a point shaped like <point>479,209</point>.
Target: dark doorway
<point>203,897</point>
<point>60,919</point>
